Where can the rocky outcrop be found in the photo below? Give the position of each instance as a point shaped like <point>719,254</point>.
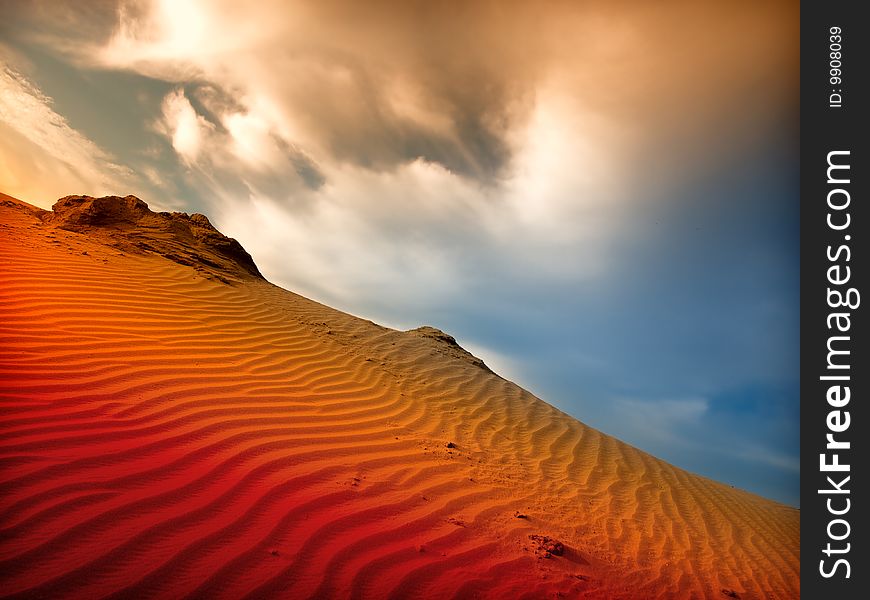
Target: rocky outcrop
<point>129,225</point>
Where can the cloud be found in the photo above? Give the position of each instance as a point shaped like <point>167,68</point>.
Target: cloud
<point>413,235</point>
<point>382,84</point>
<point>560,125</point>
<point>661,420</point>
<point>44,157</point>
<point>303,73</point>
<point>233,153</point>
<point>420,236</point>
<point>186,129</point>
<point>759,453</point>
<point>556,116</point>
<point>71,27</point>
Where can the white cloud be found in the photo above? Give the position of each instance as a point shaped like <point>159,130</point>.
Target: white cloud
<point>751,451</point>
<point>251,140</point>
<point>354,124</point>
<point>660,420</point>
<point>186,130</point>
<point>383,169</point>
<point>44,157</point>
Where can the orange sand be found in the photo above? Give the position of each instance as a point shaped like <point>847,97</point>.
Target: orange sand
<point>189,430</point>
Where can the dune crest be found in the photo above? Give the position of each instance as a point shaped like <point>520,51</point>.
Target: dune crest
<point>173,425</point>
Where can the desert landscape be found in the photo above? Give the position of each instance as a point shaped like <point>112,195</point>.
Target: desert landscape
<point>175,426</point>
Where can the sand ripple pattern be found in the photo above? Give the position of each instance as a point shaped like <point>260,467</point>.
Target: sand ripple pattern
<point>165,435</point>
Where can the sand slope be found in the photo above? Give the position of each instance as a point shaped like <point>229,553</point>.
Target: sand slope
<point>179,427</point>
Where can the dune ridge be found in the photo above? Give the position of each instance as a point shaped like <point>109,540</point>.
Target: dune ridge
<point>174,426</point>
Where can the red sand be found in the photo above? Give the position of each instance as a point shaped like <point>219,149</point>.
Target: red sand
<point>179,427</point>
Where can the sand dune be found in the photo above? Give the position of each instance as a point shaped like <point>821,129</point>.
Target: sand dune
<point>173,426</point>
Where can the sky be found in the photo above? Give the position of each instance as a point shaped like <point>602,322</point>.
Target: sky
<point>600,199</point>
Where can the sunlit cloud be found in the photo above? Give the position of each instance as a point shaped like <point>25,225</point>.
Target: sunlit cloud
<point>43,157</point>
<point>186,129</point>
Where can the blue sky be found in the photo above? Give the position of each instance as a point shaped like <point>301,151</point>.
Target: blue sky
<point>599,199</point>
